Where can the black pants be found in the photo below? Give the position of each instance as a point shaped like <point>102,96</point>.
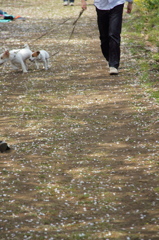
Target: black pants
<point>110,24</point>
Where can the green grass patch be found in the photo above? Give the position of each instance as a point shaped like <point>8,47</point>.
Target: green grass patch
<point>142,34</point>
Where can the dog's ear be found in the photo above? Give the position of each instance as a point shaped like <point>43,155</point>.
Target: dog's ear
<point>38,52</point>
<point>34,54</point>
<point>7,53</point>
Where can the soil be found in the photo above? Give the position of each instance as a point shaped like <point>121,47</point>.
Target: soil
<point>84,145</point>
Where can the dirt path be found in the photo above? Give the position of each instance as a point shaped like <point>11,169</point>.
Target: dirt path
<point>84,159</point>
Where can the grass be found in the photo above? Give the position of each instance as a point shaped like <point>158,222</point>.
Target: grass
<point>142,33</point>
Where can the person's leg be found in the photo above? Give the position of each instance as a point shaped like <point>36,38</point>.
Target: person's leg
<point>71,2</point>
<point>115,25</point>
<point>65,2</point>
<point>103,26</point>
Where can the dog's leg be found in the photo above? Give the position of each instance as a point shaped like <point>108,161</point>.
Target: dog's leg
<point>14,67</point>
<point>21,61</point>
<point>24,68</point>
<point>37,65</point>
<point>45,64</point>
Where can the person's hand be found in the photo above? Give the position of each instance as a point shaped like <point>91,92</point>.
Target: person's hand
<point>83,4</point>
<point>129,7</point>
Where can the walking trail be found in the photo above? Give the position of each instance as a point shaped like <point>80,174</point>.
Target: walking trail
<point>84,158</point>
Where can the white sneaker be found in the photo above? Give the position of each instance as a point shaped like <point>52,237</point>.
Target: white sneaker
<point>65,3</point>
<point>113,71</point>
<point>71,4</point>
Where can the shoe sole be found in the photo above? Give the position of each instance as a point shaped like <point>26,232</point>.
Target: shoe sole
<point>113,73</point>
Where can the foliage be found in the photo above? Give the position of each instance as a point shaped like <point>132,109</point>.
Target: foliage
<point>148,4</point>
<point>146,18</point>
<point>151,4</point>
<point>144,38</point>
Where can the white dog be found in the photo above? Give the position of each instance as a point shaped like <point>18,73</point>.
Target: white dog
<point>17,57</point>
<point>40,56</point>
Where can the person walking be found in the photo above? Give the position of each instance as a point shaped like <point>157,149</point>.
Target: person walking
<point>70,2</point>
<point>109,20</point>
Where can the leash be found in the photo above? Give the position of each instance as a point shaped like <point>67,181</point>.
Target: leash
<point>74,23</point>
<point>51,30</point>
<point>80,14</point>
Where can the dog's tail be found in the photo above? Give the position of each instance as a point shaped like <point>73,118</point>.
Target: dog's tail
<point>26,46</point>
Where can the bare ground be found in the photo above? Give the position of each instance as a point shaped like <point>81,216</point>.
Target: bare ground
<point>84,158</point>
